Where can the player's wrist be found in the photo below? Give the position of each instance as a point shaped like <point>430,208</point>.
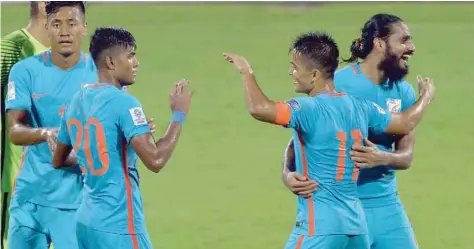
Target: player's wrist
<point>247,71</point>
<point>44,133</point>
<point>178,117</point>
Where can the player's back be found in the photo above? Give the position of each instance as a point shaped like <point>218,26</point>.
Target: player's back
<point>378,181</point>
<point>112,200</point>
<point>322,153</point>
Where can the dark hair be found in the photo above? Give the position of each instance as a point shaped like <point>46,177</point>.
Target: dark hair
<point>378,26</point>
<point>320,48</point>
<point>54,6</point>
<point>105,38</point>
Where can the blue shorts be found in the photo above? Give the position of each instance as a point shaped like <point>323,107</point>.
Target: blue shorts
<point>389,227</point>
<point>89,238</point>
<point>33,226</point>
<point>297,241</point>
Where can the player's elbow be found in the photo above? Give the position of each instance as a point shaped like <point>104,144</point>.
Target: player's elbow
<point>406,161</point>
<point>156,165</point>
<point>15,138</point>
<point>56,163</point>
<point>259,112</point>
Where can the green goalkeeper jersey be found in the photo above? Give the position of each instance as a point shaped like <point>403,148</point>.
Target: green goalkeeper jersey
<point>15,46</point>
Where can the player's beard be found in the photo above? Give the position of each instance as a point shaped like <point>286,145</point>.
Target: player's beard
<point>390,66</point>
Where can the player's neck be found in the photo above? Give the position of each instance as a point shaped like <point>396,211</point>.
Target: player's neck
<point>36,27</point>
<point>65,63</point>
<point>326,87</point>
<point>370,68</point>
<point>106,77</point>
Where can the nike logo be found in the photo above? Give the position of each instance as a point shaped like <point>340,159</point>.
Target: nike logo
<point>38,95</point>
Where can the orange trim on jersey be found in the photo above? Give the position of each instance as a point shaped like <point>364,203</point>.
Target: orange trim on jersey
<point>299,244</point>
<point>128,190</point>
<point>283,115</point>
<point>354,68</point>
<point>85,57</point>
<point>336,94</point>
<point>22,161</point>
<point>311,225</point>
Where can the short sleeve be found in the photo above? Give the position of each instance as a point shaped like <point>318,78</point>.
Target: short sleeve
<point>19,93</point>
<point>63,134</point>
<point>132,119</point>
<point>379,119</point>
<point>409,98</point>
<point>303,111</point>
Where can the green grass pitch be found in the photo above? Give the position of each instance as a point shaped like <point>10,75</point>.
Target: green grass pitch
<point>222,187</point>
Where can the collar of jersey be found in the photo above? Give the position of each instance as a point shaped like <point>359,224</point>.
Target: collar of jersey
<point>49,62</point>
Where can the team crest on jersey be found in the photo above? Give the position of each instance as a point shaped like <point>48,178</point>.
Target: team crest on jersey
<point>394,105</point>
<point>380,109</point>
<point>11,95</point>
<point>293,104</point>
<point>138,116</point>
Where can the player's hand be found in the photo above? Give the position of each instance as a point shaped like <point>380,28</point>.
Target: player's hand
<point>300,185</point>
<point>151,125</point>
<point>239,62</point>
<point>50,135</point>
<point>180,97</point>
<point>368,156</point>
<point>426,88</point>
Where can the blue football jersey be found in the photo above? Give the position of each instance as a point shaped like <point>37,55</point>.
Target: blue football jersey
<point>43,90</point>
<point>325,127</point>
<point>99,123</point>
<point>377,186</point>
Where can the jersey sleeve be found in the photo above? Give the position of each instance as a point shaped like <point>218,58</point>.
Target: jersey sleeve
<point>409,98</point>
<point>379,119</point>
<point>301,113</point>
<point>10,55</point>
<point>63,134</point>
<point>19,91</point>
<point>132,119</point>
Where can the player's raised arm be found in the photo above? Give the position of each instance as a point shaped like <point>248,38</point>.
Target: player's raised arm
<point>153,154</point>
<point>18,104</point>
<point>259,106</point>
<point>405,122</point>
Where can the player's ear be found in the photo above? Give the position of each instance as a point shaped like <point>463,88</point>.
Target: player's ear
<point>109,62</point>
<point>84,33</point>
<point>379,44</point>
<point>316,74</point>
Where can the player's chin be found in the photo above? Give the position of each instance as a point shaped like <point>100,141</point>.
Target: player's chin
<point>66,51</point>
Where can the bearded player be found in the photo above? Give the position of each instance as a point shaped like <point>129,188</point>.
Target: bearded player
<point>378,66</point>
<point>326,124</point>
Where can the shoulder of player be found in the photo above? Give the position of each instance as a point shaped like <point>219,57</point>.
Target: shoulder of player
<point>341,75</point>
<point>30,64</point>
<point>123,98</point>
<point>17,37</point>
<point>89,61</point>
<point>301,102</point>
<point>345,71</point>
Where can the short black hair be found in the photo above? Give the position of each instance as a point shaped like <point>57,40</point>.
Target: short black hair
<point>320,49</point>
<point>106,38</point>
<point>378,26</point>
<point>54,6</point>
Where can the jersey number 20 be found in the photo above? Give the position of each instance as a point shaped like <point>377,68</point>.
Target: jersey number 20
<point>86,144</point>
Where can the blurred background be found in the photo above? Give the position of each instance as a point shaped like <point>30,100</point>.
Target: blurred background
<point>222,188</point>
